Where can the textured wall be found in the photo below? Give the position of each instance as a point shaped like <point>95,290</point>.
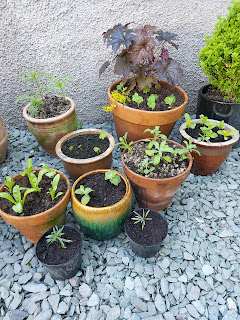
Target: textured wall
<point>64,37</point>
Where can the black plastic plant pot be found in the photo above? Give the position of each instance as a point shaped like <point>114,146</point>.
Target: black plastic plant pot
<point>61,263</point>
<point>146,242</point>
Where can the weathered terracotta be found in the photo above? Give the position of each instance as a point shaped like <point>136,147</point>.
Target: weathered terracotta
<point>102,223</point>
<point>77,167</point>
<point>151,193</point>
<point>3,141</point>
<point>47,132</point>
<point>212,154</point>
<point>33,227</point>
<point>135,122</point>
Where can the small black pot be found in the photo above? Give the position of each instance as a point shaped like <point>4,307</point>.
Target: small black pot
<point>157,226</point>
<point>218,110</point>
<point>69,268</point>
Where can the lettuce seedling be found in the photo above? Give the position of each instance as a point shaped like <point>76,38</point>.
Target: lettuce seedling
<point>97,150</point>
<point>157,153</point>
<point>56,235</point>
<point>85,191</point>
<point>113,177</point>
<point>123,143</point>
<point>141,218</point>
<point>227,134</point>
<point>53,190</point>
<point>136,98</point>
<point>9,183</point>
<point>144,167</point>
<point>102,135</point>
<point>151,102</point>
<point>188,121</point>
<point>170,100</point>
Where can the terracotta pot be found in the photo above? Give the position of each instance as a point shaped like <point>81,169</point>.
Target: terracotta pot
<point>3,141</point>
<point>135,122</point>
<point>77,167</point>
<point>33,227</point>
<point>212,154</point>
<point>47,132</point>
<point>102,223</point>
<point>152,193</point>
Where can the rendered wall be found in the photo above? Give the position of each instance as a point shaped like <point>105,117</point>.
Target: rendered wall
<point>65,37</point>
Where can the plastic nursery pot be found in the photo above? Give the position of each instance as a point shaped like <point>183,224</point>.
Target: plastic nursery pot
<point>102,223</point>
<point>3,141</point>
<point>47,132</point>
<point>212,154</point>
<point>149,242</point>
<point>152,193</point>
<point>33,227</point>
<point>77,167</point>
<point>69,268</point>
<point>135,122</point>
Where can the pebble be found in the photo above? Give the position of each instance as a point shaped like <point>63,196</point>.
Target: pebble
<point>207,269</point>
<point>160,303</point>
<point>93,300</point>
<point>85,291</point>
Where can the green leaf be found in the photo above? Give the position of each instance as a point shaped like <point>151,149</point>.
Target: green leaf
<point>170,100</point>
<point>167,158</point>
<point>151,102</point>
<point>85,199</point>
<point>221,125</point>
<point>138,99</point>
<point>146,90</point>
<point>156,160</point>
<point>116,180</point>
<point>18,207</point>
<point>80,190</point>
<point>102,135</point>
<point>7,196</point>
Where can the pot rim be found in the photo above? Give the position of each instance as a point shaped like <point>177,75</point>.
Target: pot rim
<point>70,135</point>
<point>210,144</point>
<point>203,95</point>
<point>128,189</point>
<point>49,120</point>
<point>190,160</point>
<point>61,264</point>
<point>33,217</point>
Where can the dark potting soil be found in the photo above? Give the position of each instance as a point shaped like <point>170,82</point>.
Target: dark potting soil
<point>215,94</point>
<point>53,106</point>
<point>36,202</point>
<point>81,147</point>
<point>195,133</point>
<point>163,169</point>
<point>54,254</point>
<point>154,231</point>
<point>104,192</point>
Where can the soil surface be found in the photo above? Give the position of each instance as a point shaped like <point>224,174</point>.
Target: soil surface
<point>54,254</point>
<point>104,192</point>
<point>154,231</point>
<point>163,169</point>
<point>195,133</point>
<point>53,106</point>
<point>81,147</point>
<point>36,202</point>
<point>215,94</point>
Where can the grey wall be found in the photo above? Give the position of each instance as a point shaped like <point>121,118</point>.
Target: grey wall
<point>64,37</point>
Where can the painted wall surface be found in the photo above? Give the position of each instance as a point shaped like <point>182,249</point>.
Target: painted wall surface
<point>65,37</point>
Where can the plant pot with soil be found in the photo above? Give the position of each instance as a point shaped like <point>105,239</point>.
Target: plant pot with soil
<point>85,150</point>
<point>142,99</point>
<point>59,251</point>
<point>214,140</point>
<point>146,229</point>
<point>155,167</point>
<point>101,201</point>
<point>35,200</point>
<point>3,141</point>
<point>49,117</point>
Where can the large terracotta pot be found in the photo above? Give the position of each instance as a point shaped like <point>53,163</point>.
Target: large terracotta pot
<point>152,193</point>
<point>135,122</point>
<point>212,154</point>
<point>47,132</point>
<point>3,141</point>
<point>102,223</point>
<point>33,227</point>
<point>77,167</point>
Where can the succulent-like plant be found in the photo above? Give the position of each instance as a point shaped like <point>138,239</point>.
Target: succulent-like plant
<point>142,218</point>
<point>56,236</point>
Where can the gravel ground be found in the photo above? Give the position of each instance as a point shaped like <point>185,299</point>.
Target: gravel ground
<point>195,275</point>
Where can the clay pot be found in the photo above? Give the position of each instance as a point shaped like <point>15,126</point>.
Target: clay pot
<point>77,167</point>
<point>33,227</point>
<point>152,193</point>
<point>135,122</point>
<point>47,132</point>
<point>212,154</point>
<point>3,141</point>
<point>102,223</point>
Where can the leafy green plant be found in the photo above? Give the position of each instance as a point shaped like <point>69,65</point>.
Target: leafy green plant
<point>80,146</point>
<point>190,147</point>
<point>56,236</point>
<point>113,177</point>
<point>136,98</point>
<point>97,150</point>
<point>170,100</point>
<point>144,166</point>
<point>53,190</point>
<point>85,192</point>
<point>226,133</point>
<point>58,85</point>
<point>141,218</point>
<point>156,134</point>
<point>158,150</point>
<point>189,122</point>
<point>204,119</point>
<point>146,90</point>
<point>123,143</point>
<point>9,183</point>
<point>102,135</point>
<point>70,148</point>
<point>207,132</point>
<point>151,102</point>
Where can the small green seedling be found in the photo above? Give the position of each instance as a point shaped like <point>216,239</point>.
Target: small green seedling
<point>151,102</point>
<point>227,134</point>
<point>53,190</point>
<point>97,150</point>
<point>56,236</point>
<point>146,90</point>
<point>188,121</point>
<point>50,173</point>
<point>204,119</point>
<point>113,177</point>
<point>70,148</point>
<point>120,86</point>
<point>58,85</point>
<point>170,100</point>
<point>207,133</point>
<point>157,153</point>
<point>102,135</point>
<point>190,147</point>
<point>123,143</point>
<point>9,183</point>
<point>80,146</point>
<point>221,125</point>
<point>156,133</point>
<point>136,98</point>
<point>144,167</point>
<point>79,125</point>
<point>85,191</point>
<point>141,218</point>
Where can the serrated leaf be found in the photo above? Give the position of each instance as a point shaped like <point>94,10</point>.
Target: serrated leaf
<point>119,35</point>
<point>104,67</point>
<point>123,65</point>
<point>168,37</point>
<point>170,70</point>
<point>142,49</point>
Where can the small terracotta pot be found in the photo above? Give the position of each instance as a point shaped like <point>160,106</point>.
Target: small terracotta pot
<point>135,122</point>
<point>47,132</point>
<point>102,223</point>
<point>33,227</point>
<point>3,141</point>
<point>155,194</point>
<point>212,154</point>
<point>77,167</point>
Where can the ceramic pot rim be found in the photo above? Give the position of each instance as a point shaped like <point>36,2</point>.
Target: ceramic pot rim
<point>203,95</point>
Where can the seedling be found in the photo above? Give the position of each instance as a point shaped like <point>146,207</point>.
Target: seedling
<point>53,190</point>
<point>146,90</point>
<point>136,98</point>
<point>120,86</point>
<point>227,134</point>
<point>157,153</point>
<point>123,143</point>
<point>70,148</point>
<point>80,146</point>
<point>79,125</point>
<point>204,119</point>
<point>9,183</point>
<point>102,135</point>
<point>190,147</point>
<point>188,121</point>
<point>56,236</point>
<point>207,133</point>
<point>113,177</point>
<point>170,100</point>
<point>85,191</point>
<point>156,133</point>
<point>144,167</point>
<point>57,84</point>
<point>152,101</point>
<point>141,218</point>
<point>97,150</point>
